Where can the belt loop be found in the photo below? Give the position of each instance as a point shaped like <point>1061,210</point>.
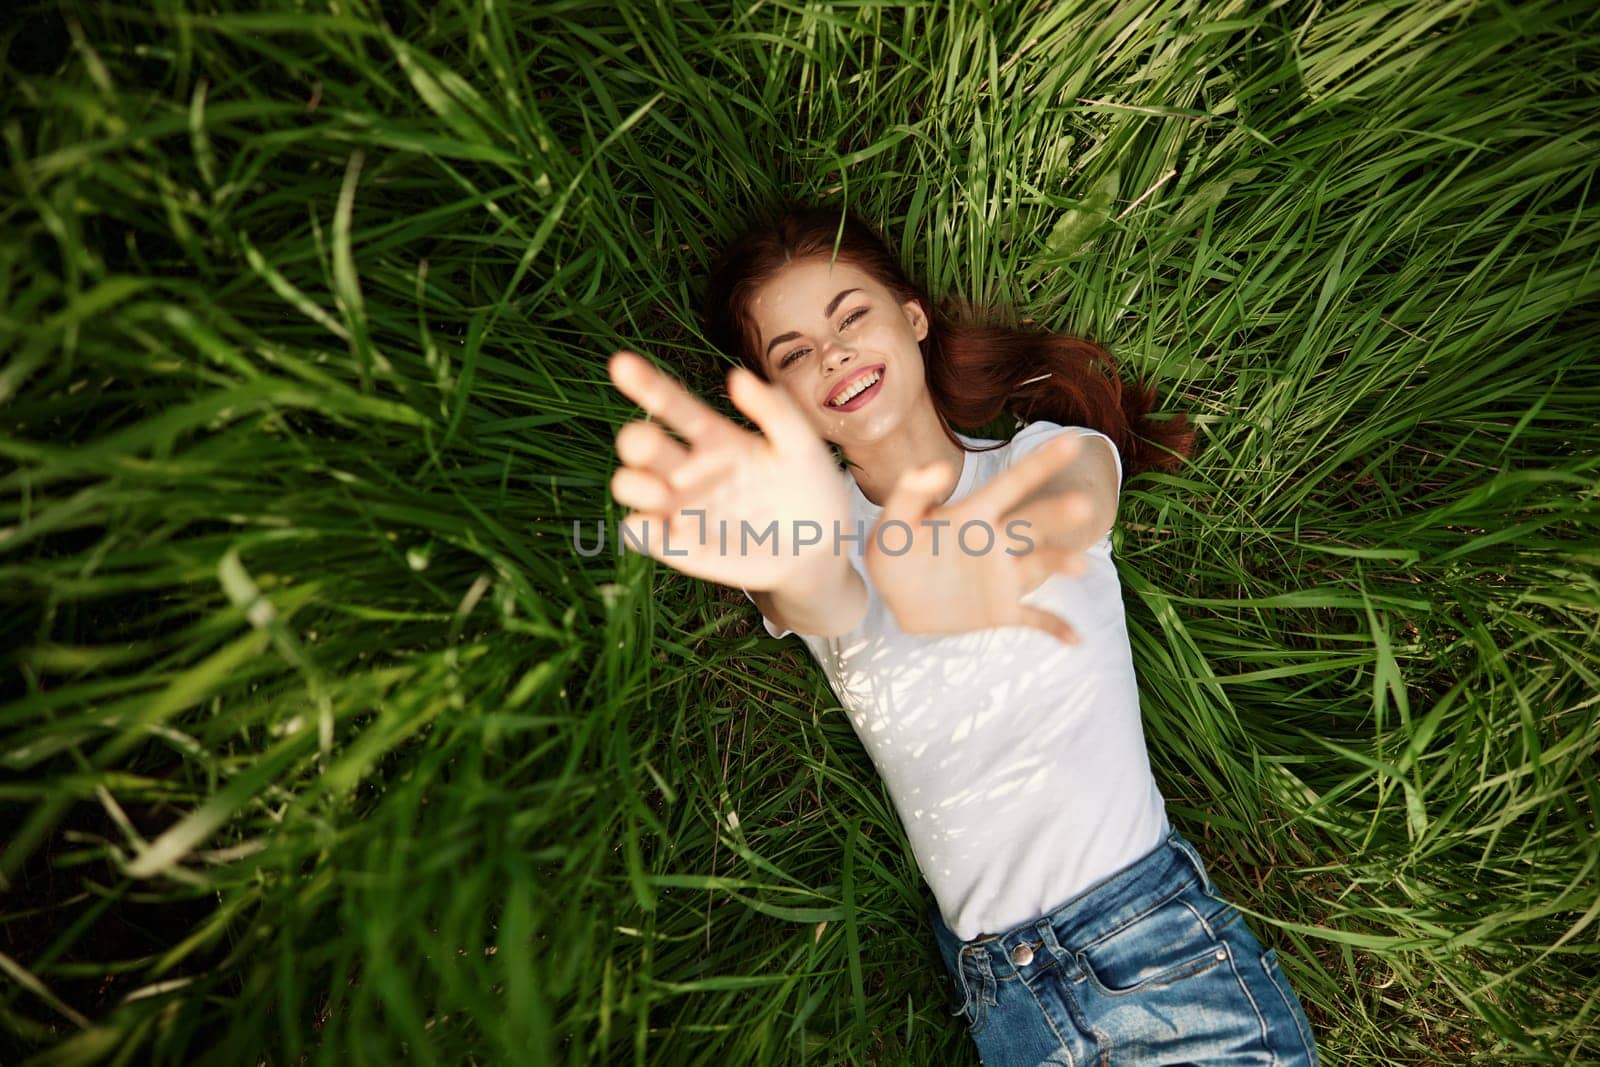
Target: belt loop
<point>1047,934</point>
<point>985,968</point>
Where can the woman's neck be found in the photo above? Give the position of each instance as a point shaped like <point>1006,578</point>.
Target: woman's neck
<point>877,467</point>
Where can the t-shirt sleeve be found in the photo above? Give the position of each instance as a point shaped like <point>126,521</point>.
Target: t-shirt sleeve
<point>772,628</point>
<point>1037,433</point>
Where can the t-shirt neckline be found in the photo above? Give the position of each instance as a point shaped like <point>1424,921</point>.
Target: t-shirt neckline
<point>962,483</point>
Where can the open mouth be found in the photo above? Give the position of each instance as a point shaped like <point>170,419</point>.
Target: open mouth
<point>858,392</point>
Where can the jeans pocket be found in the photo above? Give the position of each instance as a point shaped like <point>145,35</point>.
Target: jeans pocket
<point>1168,944</point>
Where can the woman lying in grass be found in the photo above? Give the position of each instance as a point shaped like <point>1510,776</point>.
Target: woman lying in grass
<point>961,597</point>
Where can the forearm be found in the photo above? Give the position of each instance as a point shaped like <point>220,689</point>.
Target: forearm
<point>1077,505</point>
<point>1070,515</point>
<point>827,603</point>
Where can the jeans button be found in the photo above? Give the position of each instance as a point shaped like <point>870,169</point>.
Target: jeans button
<point>1022,955</point>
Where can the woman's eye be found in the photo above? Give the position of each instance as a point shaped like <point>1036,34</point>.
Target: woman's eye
<point>797,353</point>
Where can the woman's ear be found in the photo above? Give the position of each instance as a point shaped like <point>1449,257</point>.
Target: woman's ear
<point>915,316</point>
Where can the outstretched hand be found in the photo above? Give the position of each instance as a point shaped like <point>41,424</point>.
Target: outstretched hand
<point>947,581</point>
<point>704,494</point>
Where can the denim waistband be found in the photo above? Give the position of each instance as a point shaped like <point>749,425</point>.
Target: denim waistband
<point>1102,909</point>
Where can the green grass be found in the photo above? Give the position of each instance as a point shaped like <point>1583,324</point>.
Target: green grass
<point>320,743</point>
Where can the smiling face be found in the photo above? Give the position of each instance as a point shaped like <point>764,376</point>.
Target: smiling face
<point>822,329</point>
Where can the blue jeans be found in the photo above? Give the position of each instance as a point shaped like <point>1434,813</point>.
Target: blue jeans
<point>1148,966</point>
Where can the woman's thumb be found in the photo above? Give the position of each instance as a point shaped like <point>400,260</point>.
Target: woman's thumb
<point>914,493</point>
<point>771,409</point>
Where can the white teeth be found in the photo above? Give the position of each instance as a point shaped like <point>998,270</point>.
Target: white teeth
<point>851,392</point>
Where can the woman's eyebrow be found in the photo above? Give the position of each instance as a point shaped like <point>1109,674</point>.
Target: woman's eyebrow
<point>791,335</point>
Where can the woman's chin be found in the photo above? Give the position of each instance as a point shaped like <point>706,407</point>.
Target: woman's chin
<point>869,428</point>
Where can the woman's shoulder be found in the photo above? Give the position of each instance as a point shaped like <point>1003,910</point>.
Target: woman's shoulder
<point>1028,436</point>
<point>1035,434</point>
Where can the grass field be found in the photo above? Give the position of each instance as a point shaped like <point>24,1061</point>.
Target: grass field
<point>320,743</point>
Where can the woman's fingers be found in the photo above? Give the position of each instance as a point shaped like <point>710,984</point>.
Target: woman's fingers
<point>914,494</point>
<point>1071,510</point>
<point>1043,562</point>
<point>665,398</point>
<point>704,463</point>
<point>1006,491</point>
<point>641,490</point>
<point>648,447</point>
<point>1054,625</point>
<point>772,410</point>
<point>669,537</point>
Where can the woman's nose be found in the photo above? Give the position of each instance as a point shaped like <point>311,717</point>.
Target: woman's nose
<point>835,354</point>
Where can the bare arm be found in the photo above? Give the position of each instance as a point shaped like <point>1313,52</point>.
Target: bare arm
<point>828,604</point>
<point>1091,474</point>
<point>953,592</point>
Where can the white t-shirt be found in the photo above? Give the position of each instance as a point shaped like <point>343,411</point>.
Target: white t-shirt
<point>1017,764</point>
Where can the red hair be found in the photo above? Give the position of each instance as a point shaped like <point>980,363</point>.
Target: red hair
<point>974,372</point>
